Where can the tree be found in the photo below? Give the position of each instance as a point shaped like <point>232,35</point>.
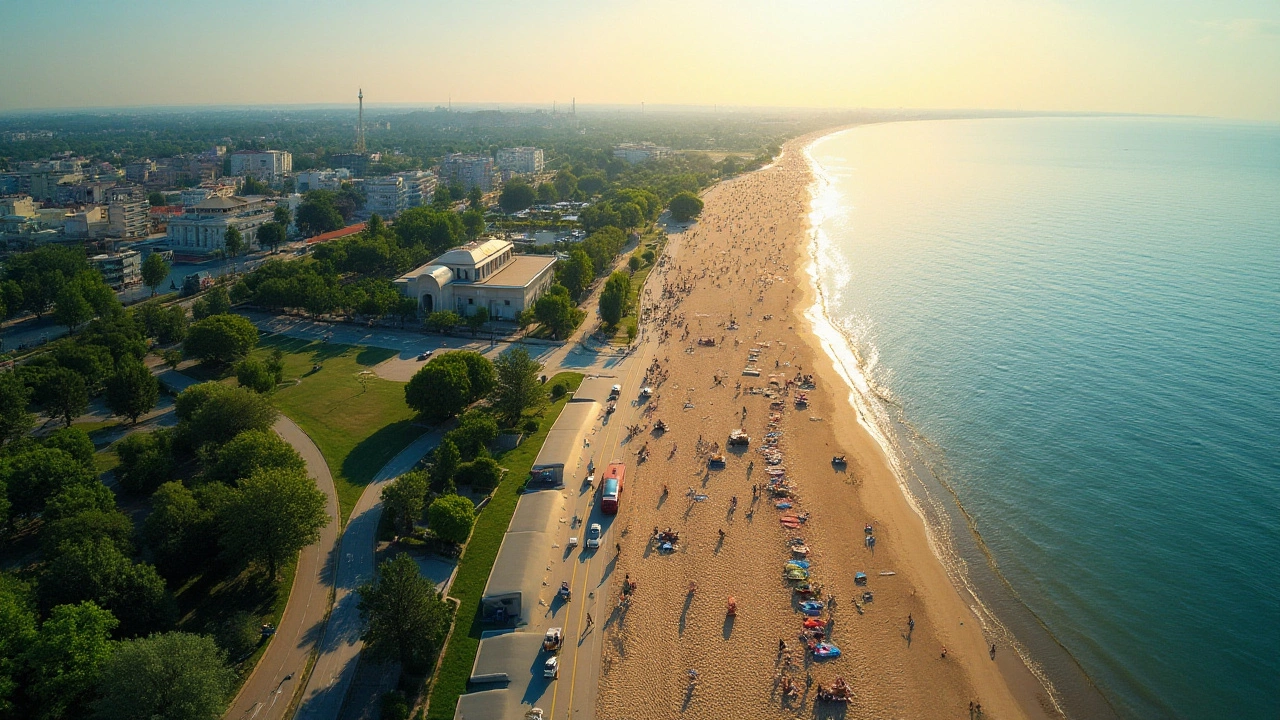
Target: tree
<point>92,362</point>
<point>66,658</point>
<point>613,299</point>
<point>546,193</point>
<point>685,206</point>
<point>281,216</point>
<point>173,675</point>
<point>404,618</point>
<point>68,397</point>
<point>156,199</point>
<point>17,634</point>
<point>14,418</point>
<point>566,184</point>
<point>518,389</point>
<point>479,371</point>
<point>405,498</point>
<point>77,498</point>
<point>475,197</point>
<point>429,227</point>
<point>630,214</point>
<point>35,475</point>
<point>439,390</point>
<point>252,373</point>
<point>71,309</point>
<point>220,339</point>
<point>109,524</point>
<point>232,411</point>
<point>318,214</point>
<point>251,451</point>
<point>515,196</point>
<point>74,442</point>
<point>477,319</point>
<point>146,460</point>
<point>276,513</point>
<point>272,234</point>
<point>444,465</point>
<point>450,518</point>
<point>473,223</point>
<point>576,273</point>
<point>475,431</point>
<point>181,529</point>
<point>215,302</point>
<point>133,390</point>
<point>442,321</point>
<point>634,263</point>
<point>233,241</point>
<point>481,475</point>
<point>556,312</point>
<point>154,270</point>
<point>96,570</point>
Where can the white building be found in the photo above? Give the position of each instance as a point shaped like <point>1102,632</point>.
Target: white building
<point>479,274</point>
<point>419,186</point>
<point>640,152</point>
<point>332,180</point>
<point>197,195</point>
<point>268,165</point>
<point>520,159</point>
<point>385,196</point>
<point>467,170</point>
<point>202,228</point>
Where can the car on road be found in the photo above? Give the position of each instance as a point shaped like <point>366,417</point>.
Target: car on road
<point>425,355</point>
<point>615,391</point>
<point>551,668</point>
<point>593,535</point>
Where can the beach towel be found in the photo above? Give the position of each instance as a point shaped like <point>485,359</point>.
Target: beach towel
<point>784,505</point>
<point>790,521</point>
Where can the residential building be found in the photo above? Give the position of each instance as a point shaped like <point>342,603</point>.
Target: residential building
<point>308,180</point>
<point>89,223</point>
<point>128,212</point>
<point>640,152</point>
<point>420,187</point>
<point>357,163</point>
<point>467,170</point>
<point>385,196</point>
<point>120,269</point>
<point>484,273</point>
<point>17,205</point>
<point>197,195</point>
<point>202,228</point>
<point>45,185</point>
<point>268,165</point>
<point>139,172</point>
<point>522,160</point>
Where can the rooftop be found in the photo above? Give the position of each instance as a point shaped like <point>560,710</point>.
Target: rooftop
<point>473,253</point>
<point>519,271</point>
<point>335,234</point>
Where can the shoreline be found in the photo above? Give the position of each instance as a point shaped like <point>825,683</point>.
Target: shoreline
<point>737,277</point>
<point>948,528</point>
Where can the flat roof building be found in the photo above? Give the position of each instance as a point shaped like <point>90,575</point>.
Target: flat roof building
<point>479,274</point>
<point>269,165</point>
<point>561,453</point>
<point>523,160</point>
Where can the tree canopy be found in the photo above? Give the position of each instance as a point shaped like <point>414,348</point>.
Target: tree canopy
<point>439,390</point>
<point>404,618</point>
<point>220,339</point>
<point>519,389</point>
<point>276,513</point>
<point>685,206</point>
<point>173,675</point>
<point>614,298</point>
<point>132,391</point>
<point>516,195</point>
<point>154,270</point>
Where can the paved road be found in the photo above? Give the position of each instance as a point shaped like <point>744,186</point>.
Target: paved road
<point>266,694</point>
<point>335,666</point>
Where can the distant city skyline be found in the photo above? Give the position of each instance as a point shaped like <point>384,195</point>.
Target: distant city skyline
<point>1218,58</point>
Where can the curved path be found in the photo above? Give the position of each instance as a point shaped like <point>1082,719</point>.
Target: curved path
<point>336,665</point>
<point>266,694</point>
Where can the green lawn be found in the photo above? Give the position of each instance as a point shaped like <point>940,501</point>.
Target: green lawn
<point>358,424</point>
<point>482,550</point>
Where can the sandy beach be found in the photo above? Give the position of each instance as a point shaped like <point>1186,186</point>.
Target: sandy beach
<point>737,278</point>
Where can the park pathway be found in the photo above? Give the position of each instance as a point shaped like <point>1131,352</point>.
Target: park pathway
<point>266,694</point>
<point>335,666</point>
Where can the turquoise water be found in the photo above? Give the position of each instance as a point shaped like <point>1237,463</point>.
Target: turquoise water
<point>1077,324</point>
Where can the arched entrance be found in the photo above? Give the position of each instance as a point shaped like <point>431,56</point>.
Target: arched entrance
<point>428,303</point>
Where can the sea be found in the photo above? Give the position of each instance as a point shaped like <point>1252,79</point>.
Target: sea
<point>1066,331</point>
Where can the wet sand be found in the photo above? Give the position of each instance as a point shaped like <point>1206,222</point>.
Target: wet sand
<point>744,262</point>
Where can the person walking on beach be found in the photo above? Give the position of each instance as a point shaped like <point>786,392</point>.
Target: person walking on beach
<point>590,622</point>
<point>993,651</point>
<point>911,624</point>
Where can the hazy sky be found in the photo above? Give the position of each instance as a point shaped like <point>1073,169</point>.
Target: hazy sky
<point>1208,57</point>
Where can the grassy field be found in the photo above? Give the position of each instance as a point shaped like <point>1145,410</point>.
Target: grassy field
<point>358,422</point>
<point>482,550</point>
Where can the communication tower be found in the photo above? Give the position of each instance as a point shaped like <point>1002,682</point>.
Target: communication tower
<point>360,124</point>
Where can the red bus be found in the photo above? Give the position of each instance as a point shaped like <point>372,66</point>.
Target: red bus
<point>611,488</point>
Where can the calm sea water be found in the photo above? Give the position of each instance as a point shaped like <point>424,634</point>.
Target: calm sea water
<point>1074,324</point>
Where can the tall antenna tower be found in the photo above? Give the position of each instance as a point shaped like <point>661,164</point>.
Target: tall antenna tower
<point>360,124</point>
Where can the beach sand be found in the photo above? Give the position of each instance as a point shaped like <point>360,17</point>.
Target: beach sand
<point>745,260</point>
